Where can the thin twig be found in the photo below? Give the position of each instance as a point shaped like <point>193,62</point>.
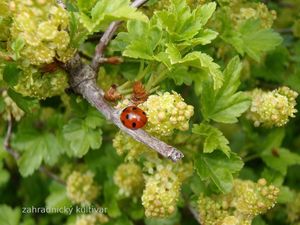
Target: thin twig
<point>50,174</point>
<point>285,30</point>
<point>105,39</point>
<point>195,213</point>
<point>61,3</point>
<point>286,4</point>
<point>108,35</point>
<point>6,143</point>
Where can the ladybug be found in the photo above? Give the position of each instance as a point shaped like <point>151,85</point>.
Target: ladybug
<point>133,117</point>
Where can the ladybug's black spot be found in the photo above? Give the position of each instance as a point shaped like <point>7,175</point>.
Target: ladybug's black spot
<point>134,108</point>
<point>123,121</point>
<point>144,113</point>
<point>127,116</point>
<point>133,124</point>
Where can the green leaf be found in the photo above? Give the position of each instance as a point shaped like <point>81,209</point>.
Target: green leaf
<point>37,142</point>
<point>225,105</point>
<point>197,60</point>
<point>272,176</point>
<point>286,195</point>
<point>81,137</point>
<point>122,220</point>
<point>181,23</point>
<point>28,221</point>
<point>17,46</point>
<point>181,75</point>
<point>78,33</point>
<point>93,118</point>
<point>11,74</point>
<point>218,169</point>
<point>110,192</point>
<point>204,37</point>
<point>273,140</point>
<point>281,161</point>
<point>214,138</point>
<point>104,12</point>
<point>57,197</point>
<point>258,220</point>
<point>9,216</point>
<point>4,175</point>
<point>27,104</point>
<point>253,40</point>
<point>140,41</point>
<point>86,5</point>
<point>269,151</point>
<point>205,12</point>
<point>37,147</point>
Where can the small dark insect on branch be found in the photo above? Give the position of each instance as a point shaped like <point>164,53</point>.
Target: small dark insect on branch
<point>275,152</point>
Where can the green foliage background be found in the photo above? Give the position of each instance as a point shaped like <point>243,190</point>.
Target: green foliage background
<point>210,52</point>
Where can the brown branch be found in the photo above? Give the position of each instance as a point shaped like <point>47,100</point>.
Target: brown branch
<point>16,156</point>
<point>105,39</point>
<point>108,35</point>
<point>82,80</point>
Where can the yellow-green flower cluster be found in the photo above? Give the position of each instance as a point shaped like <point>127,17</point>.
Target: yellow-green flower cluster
<point>34,84</point>
<point>293,210</point>
<point>272,108</point>
<point>257,11</point>
<point>246,200</point>
<point>181,169</point>
<point>129,178</point>
<point>125,145</point>
<point>91,219</point>
<point>161,192</point>
<point>4,8</point>
<point>81,188</point>
<point>212,211</point>
<point>240,11</point>
<point>4,20</point>
<point>252,199</point>
<point>167,112</point>
<point>43,27</point>
<point>11,108</point>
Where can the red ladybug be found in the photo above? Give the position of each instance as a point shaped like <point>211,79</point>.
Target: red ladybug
<point>133,117</point>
